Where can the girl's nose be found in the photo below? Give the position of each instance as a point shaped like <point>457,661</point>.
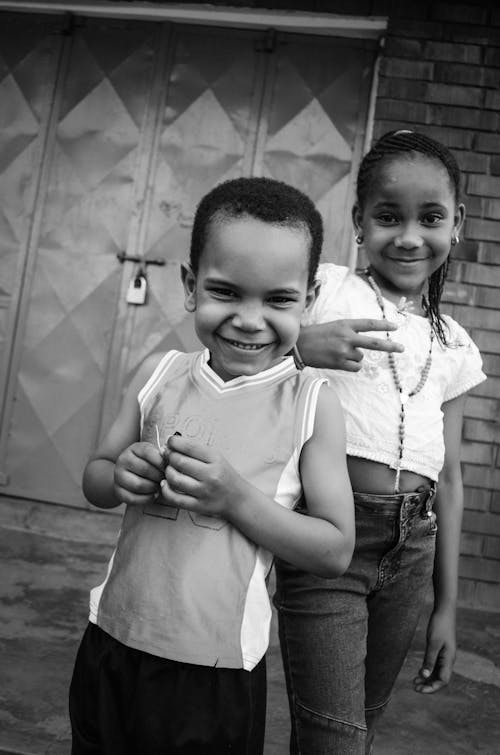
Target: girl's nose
<point>249,317</point>
<point>408,239</point>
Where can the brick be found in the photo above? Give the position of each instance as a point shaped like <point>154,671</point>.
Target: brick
<point>400,47</point>
<point>471,545</point>
<point>403,111</point>
<point>484,185</point>
<point>446,94</point>
<point>471,54</point>
<point>492,56</point>
<point>477,453</point>
<point>421,29</point>
<point>484,569</point>
<point>407,69</point>
<point>491,364</point>
<point>481,477</point>
<point>477,407</point>
<point>477,500</point>
<point>485,297</point>
<point>483,230</point>
<point>492,100</point>
<point>495,502</point>
<point>491,210</point>
<point>459,73</point>
<point>486,275</point>
<point>487,596</point>
<point>495,165</point>
<point>473,118</point>
<point>487,340</point>
<point>473,162</point>
<point>457,293</point>
<point>489,254</point>
<point>467,251</point>
<point>481,522</point>
<point>481,430</point>
<point>486,319</point>
<point>473,203</point>
<point>457,12</point>
<point>489,143</point>
<point>402,89</point>
<point>492,549</point>
<point>466,592</point>
<point>454,138</point>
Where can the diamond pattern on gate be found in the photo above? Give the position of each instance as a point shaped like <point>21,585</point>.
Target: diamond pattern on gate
<point>86,221</point>
<point>206,130</point>
<point>313,129</point>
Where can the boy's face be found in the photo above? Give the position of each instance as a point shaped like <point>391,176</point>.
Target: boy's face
<point>249,293</point>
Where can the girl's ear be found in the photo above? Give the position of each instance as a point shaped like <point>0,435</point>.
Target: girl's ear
<point>357,219</point>
<point>459,220</point>
<point>189,282</point>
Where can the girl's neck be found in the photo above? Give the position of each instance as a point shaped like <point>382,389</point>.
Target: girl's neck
<point>405,301</point>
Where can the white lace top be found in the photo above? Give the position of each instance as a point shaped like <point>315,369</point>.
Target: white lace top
<point>369,397</point>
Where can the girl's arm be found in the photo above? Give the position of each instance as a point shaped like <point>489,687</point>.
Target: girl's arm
<point>441,643</point>
<point>122,469</point>
<point>200,479</point>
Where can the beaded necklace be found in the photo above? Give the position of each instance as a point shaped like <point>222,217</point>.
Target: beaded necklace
<point>403,395</point>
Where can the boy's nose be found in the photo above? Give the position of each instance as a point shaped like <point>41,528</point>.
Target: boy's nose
<point>249,317</point>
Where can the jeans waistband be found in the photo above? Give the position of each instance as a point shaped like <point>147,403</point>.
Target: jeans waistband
<point>394,502</point>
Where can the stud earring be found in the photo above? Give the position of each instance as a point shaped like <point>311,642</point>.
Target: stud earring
<point>455,239</point>
<point>359,238</point>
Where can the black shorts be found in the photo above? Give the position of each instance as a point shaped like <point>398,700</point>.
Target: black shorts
<point>126,702</point>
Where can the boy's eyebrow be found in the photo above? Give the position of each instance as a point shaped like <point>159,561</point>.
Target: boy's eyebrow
<point>224,282</point>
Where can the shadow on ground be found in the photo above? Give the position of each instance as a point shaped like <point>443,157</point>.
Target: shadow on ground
<point>43,611</point>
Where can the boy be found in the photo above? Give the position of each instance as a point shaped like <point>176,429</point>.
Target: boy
<point>211,452</point>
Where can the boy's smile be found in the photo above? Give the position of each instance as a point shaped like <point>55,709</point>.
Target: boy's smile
<point>249,293</point>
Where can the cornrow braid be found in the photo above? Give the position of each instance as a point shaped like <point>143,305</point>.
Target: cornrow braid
<point>396,143</point>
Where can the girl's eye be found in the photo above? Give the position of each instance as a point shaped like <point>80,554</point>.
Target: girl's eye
<point>386,218</point>
<point>432,218</point>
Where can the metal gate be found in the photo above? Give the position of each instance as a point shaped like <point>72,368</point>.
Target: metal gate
<point>110,133</point>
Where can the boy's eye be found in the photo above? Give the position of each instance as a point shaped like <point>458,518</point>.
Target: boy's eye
<point>281,301</point>
<point>222,293</point>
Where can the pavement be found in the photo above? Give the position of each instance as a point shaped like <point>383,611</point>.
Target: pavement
<point>43,611</point>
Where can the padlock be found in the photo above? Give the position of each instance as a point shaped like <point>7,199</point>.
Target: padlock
<point>136,292</point>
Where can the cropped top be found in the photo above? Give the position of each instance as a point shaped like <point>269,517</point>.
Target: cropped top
<point>369,397</point>
<point>191,587</point>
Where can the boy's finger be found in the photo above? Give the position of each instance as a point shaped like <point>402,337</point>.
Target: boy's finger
<point>189,447</point>
<point>365,325</point>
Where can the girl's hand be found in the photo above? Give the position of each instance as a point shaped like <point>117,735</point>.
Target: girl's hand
<point>337,345</point>
<point>138,472</point>
<point>199,479</point>
<point>439,654</point>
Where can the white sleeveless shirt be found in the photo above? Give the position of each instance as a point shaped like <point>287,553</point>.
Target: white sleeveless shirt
<point>369,397</point>
<point>190,587</point>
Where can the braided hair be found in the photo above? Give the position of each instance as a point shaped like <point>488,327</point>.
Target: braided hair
<point>396,143</point>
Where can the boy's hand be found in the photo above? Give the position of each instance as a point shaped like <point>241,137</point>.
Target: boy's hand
<point>439,654</point>
<point>138,472</point>
<point>337,345</point>
<point>198,478</point>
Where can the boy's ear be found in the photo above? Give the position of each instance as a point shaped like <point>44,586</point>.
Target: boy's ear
<point>312,294</point>
<point>189,282</point>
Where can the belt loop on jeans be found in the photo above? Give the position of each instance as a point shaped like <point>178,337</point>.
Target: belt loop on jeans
<point>429,501</point>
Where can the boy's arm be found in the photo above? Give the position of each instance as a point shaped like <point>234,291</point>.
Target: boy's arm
<point>198,478</point>
<point>441,643</point>
<point>122,469</point>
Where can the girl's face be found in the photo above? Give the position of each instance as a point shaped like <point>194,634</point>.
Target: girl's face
<point>408,222</point>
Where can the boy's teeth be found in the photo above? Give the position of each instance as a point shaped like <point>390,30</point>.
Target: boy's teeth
<point>247,346</point>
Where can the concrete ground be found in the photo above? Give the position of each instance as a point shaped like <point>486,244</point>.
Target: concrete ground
<point>43,610</point>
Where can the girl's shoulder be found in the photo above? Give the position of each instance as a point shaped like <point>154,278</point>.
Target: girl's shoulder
<point>465,365</point>
<point>456,336</point>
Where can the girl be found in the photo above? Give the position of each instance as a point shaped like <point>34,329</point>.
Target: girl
<point>344,641</point>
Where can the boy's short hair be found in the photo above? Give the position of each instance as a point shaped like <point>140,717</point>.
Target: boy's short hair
<point>266,199</point>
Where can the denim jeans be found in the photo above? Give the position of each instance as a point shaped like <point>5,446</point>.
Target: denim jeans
<point>344,640</point>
